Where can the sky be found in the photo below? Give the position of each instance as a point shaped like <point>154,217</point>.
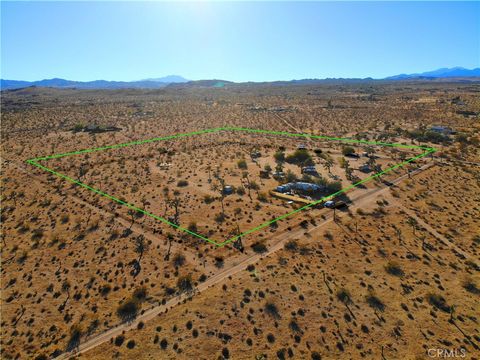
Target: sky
<point>237,41</point>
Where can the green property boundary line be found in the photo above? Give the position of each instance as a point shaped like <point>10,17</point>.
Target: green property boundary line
<point>35,162</point>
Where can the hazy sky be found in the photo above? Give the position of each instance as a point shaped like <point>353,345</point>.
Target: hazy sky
<point>235,41</point>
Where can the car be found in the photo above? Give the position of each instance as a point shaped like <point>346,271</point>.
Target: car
<point>335,204</point>
<point>329,204</point>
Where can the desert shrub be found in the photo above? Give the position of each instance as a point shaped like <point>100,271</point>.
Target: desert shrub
<point>219,218</point>
<point>279,156</point>
<point>182,183</point>
<point>272,310</point>
<point>438,301</point>
<point>290,176</point>
<point>192,226</point>
<point>293,325</point>
<point>225,353</point>
<point>208,199</point>
<point>334,186</point>
<point>185,284</point>
<point>270,338</point>
<point>128,310</point>
<point>164,343</point>
<point>470,286</point>
<point>37,234</point>
<point>348,150</point>
<point>23,257</point>
<point>131,344</point>
<point>291,245</point>
<point>300,156</point>
<point>375,302</point>
<point>344,296</point>
<point>242,164</point>
<point>262,197</point>
<point>240,190</point>
<point>140,293</point>
<point>119,340</point>
<point>471,264</point>
<point>105,290</point>
<point>259,247</point>
<point>75,335</point>
<point>219,261</point>
<point>178,260</point>
<point>394,269</point>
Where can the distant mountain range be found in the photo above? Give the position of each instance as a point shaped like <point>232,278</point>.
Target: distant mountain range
<point>97,84</point>
<point>440,73</point>
<point>176,80</point>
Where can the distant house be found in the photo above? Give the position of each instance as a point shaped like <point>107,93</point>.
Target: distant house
<point>445,130</point>
<point>227,190</point>
<point>299,186</point>
<point>301,147</point>
<point>164,166</point>
<point>279,175</point>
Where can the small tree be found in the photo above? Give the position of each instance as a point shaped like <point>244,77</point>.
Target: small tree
<point>128,310</point>
<point>75,336</point>
<point>348,150</point>
<point>242,164</point>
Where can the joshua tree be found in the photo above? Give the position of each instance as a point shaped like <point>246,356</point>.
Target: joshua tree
<point>413,223</point>
<point>140,246</point>
<point>65,289</point>
<point>344,296</point>
<point>245,176</point>
<point>132,217</point>
<point>82,171</point>
<point>221,180</point>
<point>174,204</point>
<point>348,170</point>
<point>170,240</point>
<point>328,164</point>
<point>209,169</point>
<point>237,244</point>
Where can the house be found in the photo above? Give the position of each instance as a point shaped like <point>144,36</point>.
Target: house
<point>164,166</point>
<point>283,188</point>
<point>279,175</point>
<point>445,130</point>
<point>227,190</point>
<point>298,186</point>
<point>301,147</point>
<point>306,187</point>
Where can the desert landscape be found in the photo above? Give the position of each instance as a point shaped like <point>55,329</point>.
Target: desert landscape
<point>390,270</point>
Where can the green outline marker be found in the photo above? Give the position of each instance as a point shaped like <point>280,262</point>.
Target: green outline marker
<point>35,162</point>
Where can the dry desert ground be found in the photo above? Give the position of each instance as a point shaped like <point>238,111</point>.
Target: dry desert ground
<point>392,275</point>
